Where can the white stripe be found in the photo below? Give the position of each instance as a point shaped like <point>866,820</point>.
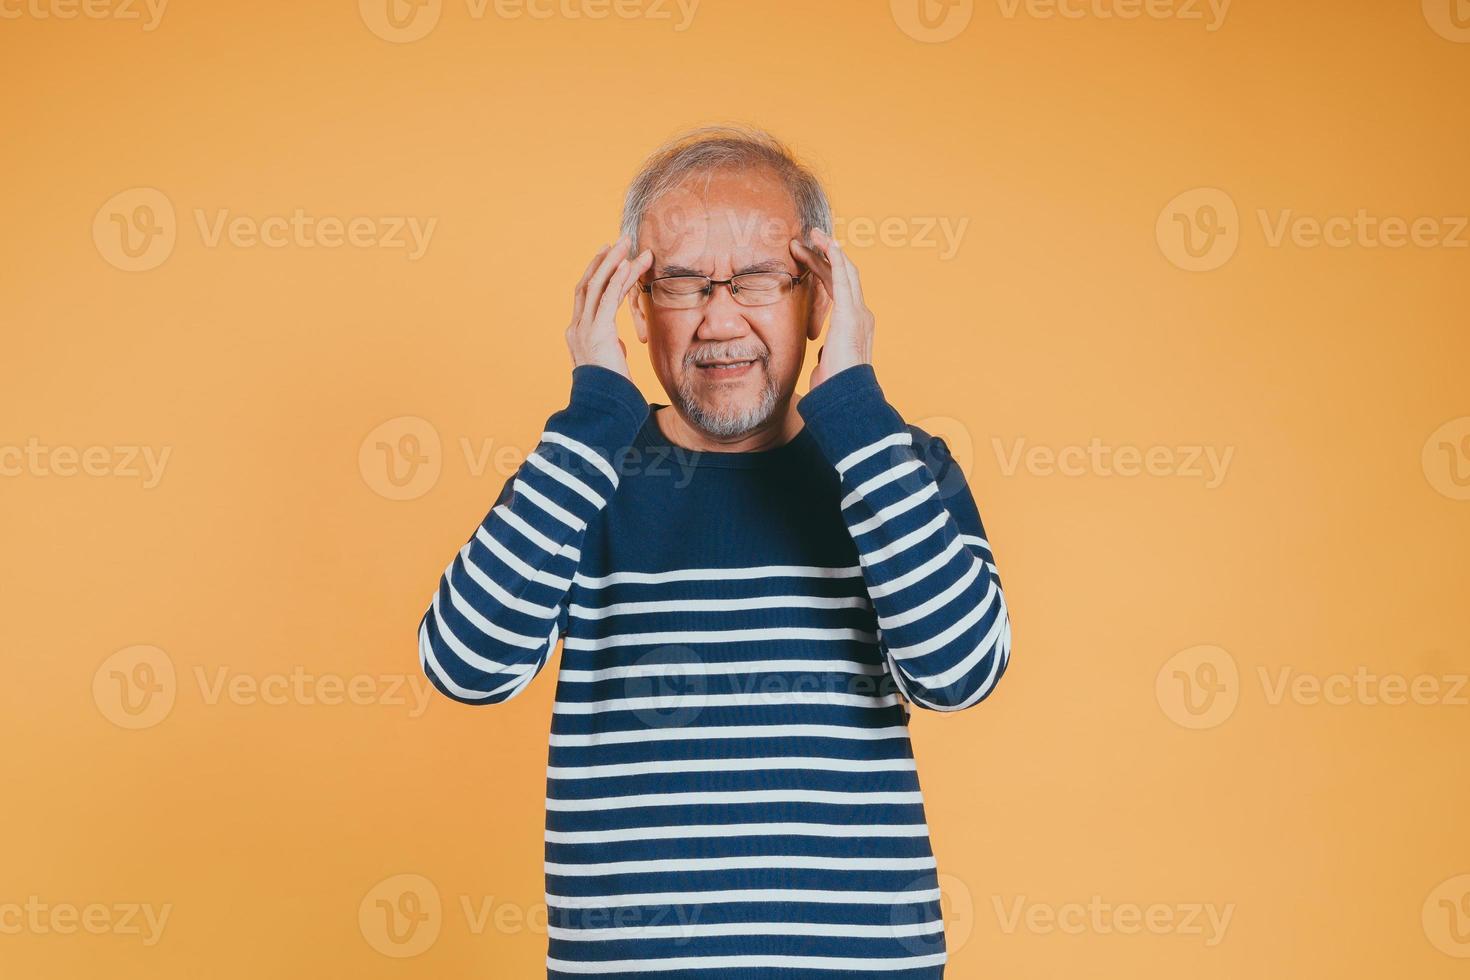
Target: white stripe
<point>741,862</point>
<point>457,646</point>
<point>700,700</point>
<point>1003,653</point>
<point>702,831</point>
<point>734,798</point>
<point>692,930</point>
<point>527,531</point>
<point>719,605</point>
<point>975,539</point>
<point>732,895</point>
<point>771,763</point>
<point>719,574</point>
<point>847,462</point>
<point>702,668</point>
<point>885,964</point>
<point>550,506</point>
<point>718,636</point>
<point>430,662</point>
<point>566,479</point>
<point>493,589</point>
<point>485,626</point>
<point>730,731</point>
<point>882,479</point>
<point>585,451</point>
<point>960,627</point>
<point>893,510</point>
<point>887,551</point>
<point>961,669</point>
<point>521,568</point>
<point>934,603</point>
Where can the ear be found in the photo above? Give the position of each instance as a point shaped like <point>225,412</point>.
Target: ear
<point>821,304</point>
<point>636,300</point>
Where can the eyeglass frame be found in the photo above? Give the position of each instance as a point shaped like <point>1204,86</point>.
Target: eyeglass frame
<point>709,291</point>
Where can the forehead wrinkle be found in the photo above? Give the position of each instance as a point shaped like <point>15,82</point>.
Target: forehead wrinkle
<point>763,265</point>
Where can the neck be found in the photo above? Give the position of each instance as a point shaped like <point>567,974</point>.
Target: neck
<point>779,429</point>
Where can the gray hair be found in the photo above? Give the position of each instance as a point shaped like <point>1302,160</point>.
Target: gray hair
<point>709,149</point>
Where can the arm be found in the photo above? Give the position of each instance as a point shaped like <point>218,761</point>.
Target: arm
<point>501,603</point>
<point>942,620</point>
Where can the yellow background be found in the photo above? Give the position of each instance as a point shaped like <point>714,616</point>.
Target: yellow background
<point>1334,832</point>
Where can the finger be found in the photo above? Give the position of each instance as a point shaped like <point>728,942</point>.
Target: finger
<point>813,260</point>
<point>832,252</point>
<point>854,280</point>
<point>607,306</point>
<point>598,284</point>
<point>640,265</point>
<point>579,295</point>
<point>841,285</point>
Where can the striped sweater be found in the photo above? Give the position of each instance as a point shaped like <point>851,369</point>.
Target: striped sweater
<point>730,790</point>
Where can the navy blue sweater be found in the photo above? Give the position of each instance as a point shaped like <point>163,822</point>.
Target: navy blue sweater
<point>731,791</point>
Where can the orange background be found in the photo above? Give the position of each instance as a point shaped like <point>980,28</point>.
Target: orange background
<point>1336,540</point>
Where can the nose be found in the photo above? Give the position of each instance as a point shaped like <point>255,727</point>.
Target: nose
<point>723,317</point>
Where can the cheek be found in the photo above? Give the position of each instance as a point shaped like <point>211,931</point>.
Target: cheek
<point>785,336</point>
<point>667,344</point>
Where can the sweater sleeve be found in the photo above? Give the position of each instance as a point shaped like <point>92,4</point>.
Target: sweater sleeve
<point>501,604</point>
<point>929,571</point>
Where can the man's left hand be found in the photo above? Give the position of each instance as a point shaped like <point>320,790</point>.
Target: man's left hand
<point>850,330</point>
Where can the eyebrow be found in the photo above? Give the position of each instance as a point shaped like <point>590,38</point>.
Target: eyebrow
<point>765,265</point>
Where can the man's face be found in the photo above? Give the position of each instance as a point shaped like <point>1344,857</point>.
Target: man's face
<point>719,226</point>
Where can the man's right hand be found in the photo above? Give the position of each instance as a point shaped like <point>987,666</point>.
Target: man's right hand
<point>593,334</point>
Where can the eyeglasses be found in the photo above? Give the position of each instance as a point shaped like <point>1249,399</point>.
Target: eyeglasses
<point>748,289</point>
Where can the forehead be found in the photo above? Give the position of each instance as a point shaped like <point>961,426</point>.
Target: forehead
<point>727,216</point>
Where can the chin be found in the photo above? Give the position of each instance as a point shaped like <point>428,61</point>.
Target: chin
<point>729,416</point>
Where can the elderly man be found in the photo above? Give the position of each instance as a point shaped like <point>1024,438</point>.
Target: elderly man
<point>751,588</point>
